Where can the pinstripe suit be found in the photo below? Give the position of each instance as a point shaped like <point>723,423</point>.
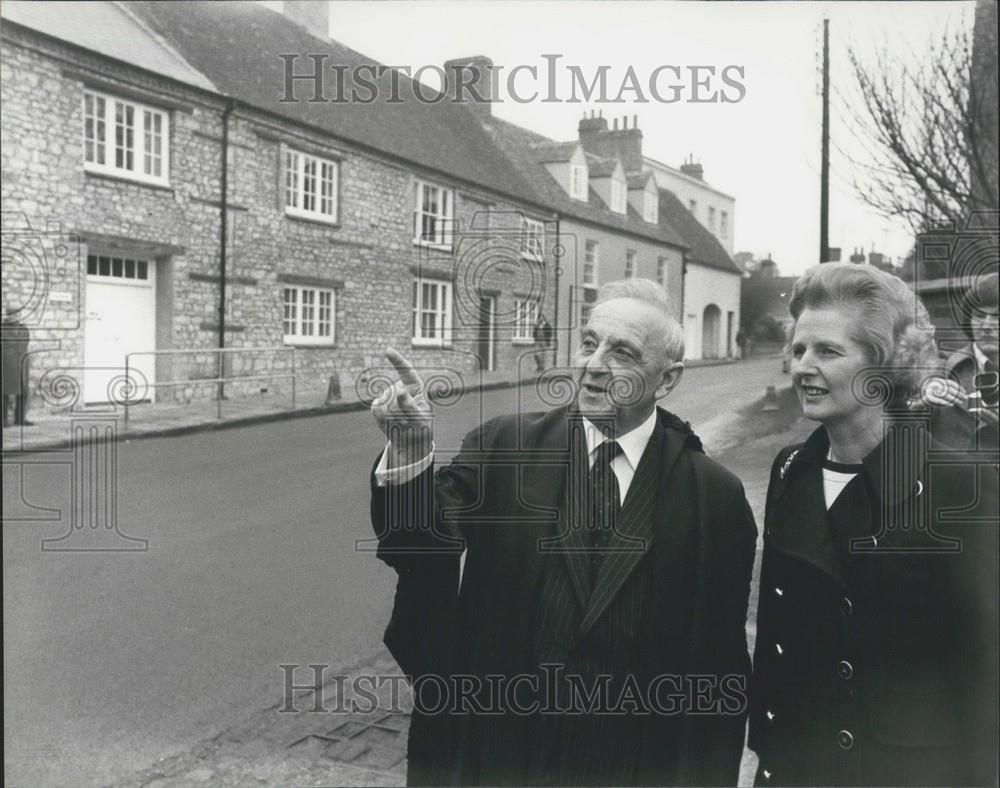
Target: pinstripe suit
<point>669,598</point>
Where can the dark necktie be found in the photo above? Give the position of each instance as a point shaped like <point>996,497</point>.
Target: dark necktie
<point>604,503</point>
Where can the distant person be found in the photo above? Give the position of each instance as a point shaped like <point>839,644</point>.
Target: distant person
<point>15,339</point>
<point>741,343</point>
<point>542,334</point>
<point>876,654</point>
<point>971,382</point>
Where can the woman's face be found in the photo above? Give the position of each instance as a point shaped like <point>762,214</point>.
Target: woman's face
<point>825,362</point>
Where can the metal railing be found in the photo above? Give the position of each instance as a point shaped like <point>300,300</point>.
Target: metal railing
<point>220,380</point>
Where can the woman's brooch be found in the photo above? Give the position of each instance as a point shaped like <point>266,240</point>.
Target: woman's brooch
<point>788,463</point>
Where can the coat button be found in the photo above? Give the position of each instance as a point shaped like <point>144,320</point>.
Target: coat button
<point>846,606</point>
<point>767,774</point>
<point>845,739</point>
<point>770,715</point>
<point>778,648</point>
<point>844,669</point>
<point>778,591</point>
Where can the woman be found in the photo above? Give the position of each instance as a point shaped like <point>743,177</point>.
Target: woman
<point>875,659</point>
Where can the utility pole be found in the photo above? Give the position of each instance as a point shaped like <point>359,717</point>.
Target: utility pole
<point>824,192</point>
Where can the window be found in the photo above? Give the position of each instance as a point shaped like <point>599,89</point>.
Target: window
<point>619,196</point>
<point>310,186</point>
<point>629,264</point>
<point>125,138</point>
<point>118,268</point>
<point>590,264</point>
<point>693,206</point>
<point>724,224</point>
<point>532,239</point>
<point>578,182</point>
<point>661,271</point>
<point>308,316</point>
<point>525,317</point>
<point>432,215</point>
<point>711,219</point>
<point>431,312</point>
<point>650,207</point>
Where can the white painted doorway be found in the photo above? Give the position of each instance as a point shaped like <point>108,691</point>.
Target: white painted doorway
<point>121,319</point>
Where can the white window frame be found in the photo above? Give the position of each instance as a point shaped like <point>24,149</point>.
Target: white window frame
<point>711,218</point>
<point>630,257</point>
<point>100,114</point>
<point>591,250</point>
<point>724,224</point>
<point>525,317</point>
<point>122,270</point>
<point>442,312</point>
<point>650,207</point>
<point>303,320</point>
<point>443,214</point>
<point>312,186</point>
<point>661,271</point>
<point>619,196</point>
<point>578,182</point>
<point>532,239</point>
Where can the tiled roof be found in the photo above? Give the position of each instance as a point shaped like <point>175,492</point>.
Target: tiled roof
<point>705,247</point>
<point>555,151</point>
<point>600,167</point>
<point>236,45</point>
<point>109,29</point>
<point>638,180</point>
<point>519,145</point>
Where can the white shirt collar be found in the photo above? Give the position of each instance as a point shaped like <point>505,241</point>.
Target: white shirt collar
<point>980,357</point>
<point>633,442</point>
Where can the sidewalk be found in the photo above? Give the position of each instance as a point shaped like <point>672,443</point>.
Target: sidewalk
<point>55,430</point>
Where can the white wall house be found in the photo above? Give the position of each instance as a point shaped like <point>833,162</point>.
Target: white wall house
<point>714,210</point>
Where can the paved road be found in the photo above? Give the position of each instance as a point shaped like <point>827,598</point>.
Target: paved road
<point>115,660</point>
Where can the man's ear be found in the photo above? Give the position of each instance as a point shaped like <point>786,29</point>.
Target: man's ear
<point>669,378</point>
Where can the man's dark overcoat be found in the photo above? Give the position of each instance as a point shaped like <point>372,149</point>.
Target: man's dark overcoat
<point>673,606</point>
<point>876,654</point>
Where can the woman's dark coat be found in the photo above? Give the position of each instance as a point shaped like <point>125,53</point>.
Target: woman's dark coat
<point>876,653</point>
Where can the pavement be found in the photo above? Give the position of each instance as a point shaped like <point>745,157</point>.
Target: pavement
<point>317,739</point>
<point>63,427</point>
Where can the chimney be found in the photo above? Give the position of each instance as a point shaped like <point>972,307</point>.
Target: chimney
<point>695,170</point>
<point>469,81</point>
<point>313,15</point>
<point>621,142</point>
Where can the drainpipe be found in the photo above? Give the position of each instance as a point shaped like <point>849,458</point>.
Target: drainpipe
<point>684,273</point>
<point>223,227</point>
<point>555,317</point>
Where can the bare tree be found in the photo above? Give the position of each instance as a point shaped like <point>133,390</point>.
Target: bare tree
<point>929,132</point>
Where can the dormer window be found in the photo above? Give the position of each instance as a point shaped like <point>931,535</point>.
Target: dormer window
<point>578,182</point>
<point>650,207</point>
<point>619,196</point>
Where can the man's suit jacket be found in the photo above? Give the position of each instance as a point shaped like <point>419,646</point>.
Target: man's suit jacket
<point>672,601</point>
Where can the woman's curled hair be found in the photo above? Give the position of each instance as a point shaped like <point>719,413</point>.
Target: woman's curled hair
<point>893,324</point>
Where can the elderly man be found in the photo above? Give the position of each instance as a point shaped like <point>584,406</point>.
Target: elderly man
<point>596,635</point>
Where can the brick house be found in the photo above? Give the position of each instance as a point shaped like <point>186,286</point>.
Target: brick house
<point>344,227</point>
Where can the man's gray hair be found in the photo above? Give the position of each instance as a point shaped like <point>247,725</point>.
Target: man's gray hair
<point>651,293</point>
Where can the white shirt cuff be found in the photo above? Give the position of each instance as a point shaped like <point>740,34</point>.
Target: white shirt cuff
<point>385,476</point>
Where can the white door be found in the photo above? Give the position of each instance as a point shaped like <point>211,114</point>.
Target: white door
<point>121,318</point>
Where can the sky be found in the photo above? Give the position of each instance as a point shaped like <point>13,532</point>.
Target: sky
<point>763,149</point>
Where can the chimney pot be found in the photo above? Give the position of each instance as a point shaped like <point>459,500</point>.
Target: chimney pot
<point>469,81</point>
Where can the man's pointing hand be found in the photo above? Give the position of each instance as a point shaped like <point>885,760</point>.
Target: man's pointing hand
<point>403,413</point>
